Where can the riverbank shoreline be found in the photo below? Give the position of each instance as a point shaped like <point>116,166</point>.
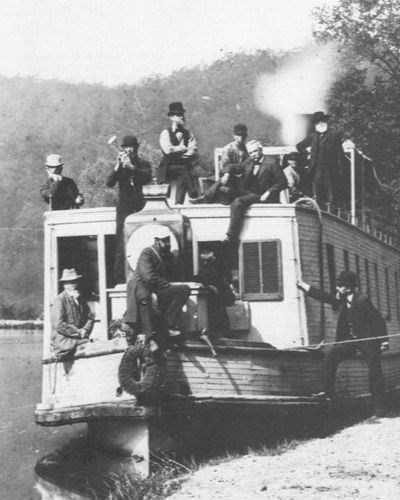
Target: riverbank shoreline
<point>21,324</point>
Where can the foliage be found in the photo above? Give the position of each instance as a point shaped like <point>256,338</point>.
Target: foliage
<point>365,98</point>
<point>368,29</point>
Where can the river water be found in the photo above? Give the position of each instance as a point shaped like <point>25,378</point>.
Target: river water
<point>23,443</point>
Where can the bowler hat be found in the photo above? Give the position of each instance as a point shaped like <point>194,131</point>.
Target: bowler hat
<point>347,279</point>
<point>129,141</point>
<point>319,116</point>
<point>70,275</point>
<point>240,129</point>
<point>176,108</point>
<point>294,155</point>
<point>54,161</point>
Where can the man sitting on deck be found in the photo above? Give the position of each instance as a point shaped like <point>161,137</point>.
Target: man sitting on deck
<point>230,185</point>
<point>152,275</point>
<point>262,181</point>
<point>358,319</point>
<point>72,319</point>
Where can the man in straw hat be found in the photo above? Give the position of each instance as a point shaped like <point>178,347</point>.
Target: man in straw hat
<point>130,172</point>
<point>179,148</point>
<point>358,319</point>
<point>153,275</point>
<point>61,193</point>
<point>72,319</point>
<point>326,165</point>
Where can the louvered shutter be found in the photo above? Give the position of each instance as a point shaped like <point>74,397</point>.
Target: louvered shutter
<point>261,270</point>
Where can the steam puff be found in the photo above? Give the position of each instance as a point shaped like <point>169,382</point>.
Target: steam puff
<point>299,87</point>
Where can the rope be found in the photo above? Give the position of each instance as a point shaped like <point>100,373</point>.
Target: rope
<point>317,346</point>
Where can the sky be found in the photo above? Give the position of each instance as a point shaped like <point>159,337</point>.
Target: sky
<point>123,41</point>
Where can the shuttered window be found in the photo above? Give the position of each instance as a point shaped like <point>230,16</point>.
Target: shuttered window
<point>261,270</point>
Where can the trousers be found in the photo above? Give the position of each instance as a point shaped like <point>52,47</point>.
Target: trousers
<point>370,351</point>
<point>238,210</point>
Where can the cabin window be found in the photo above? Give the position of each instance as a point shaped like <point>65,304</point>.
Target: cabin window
<point>378,297</point>
<point>396,283</point>
<point>358,271</point>
<point>367,280</point>
<point>346,260</point>
<point>330,251</point>
<point>387,286</point>
<point>80,253</point>
<point>261,270</point>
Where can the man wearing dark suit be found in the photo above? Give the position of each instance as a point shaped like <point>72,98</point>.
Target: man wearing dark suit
<point>326,166</point>
<point>262,182</point>
<point>131,173</point>
<point>179,148</point>
<point>153,274</point>
<point>357,319</point>
<point>61,193</point>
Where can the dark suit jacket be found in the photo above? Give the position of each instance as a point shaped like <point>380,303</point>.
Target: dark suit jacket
<point>270,177</point>
<point>130,183</point>
<point>366,321</point>
<point>62,194</point>
<point>326,155</point>
<point>152,274</point>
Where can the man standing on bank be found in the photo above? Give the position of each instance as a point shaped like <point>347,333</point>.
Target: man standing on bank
<point>179,148</point>
<point>326,165</point>
<point>58,191</point>
<point>153,274</point>
<point>263,182</point>
<point>72,319</point>
<point>357,319</point>
<point>131,173</point>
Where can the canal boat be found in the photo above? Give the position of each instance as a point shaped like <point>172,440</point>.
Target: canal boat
<point>267,367</point>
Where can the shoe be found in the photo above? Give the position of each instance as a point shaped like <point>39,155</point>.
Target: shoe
<point>200,199</point>
<point>175,339</point>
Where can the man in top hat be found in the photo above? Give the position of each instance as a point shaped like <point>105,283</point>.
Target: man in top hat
<point>61,193</point>
<point>130,172</point>
<point>326,164</point>
<point>179,148</point>
<point>153,274</point>
<point>230,184</point>
<point>262,183</point>
<point>358,319</point>
<point>72,319</point>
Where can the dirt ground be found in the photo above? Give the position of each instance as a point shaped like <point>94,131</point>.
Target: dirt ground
<point>360,462</point>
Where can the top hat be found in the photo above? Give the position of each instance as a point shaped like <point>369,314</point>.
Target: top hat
<point>319,116</point>
<point>53,161</point>
<point>129,141</point>
<point>70,275</point>
<point>240,129</point>
<point>176,108</point>
<point>347,279</point>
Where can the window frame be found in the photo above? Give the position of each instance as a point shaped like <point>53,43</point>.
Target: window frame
<point>261,296</point>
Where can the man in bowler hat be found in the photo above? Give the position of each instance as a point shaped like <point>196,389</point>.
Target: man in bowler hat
<point>130,172</point>
<point>61,193</point>
<point>179,148</point>
<point>358,319</point>
<point>326,164</point>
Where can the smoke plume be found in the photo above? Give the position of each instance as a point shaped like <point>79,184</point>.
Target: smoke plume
<point>299,87</point>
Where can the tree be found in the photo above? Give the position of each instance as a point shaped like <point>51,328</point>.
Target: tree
<point>368,29</point>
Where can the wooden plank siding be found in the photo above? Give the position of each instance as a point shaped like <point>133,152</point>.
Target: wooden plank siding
<point>383,264</point>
